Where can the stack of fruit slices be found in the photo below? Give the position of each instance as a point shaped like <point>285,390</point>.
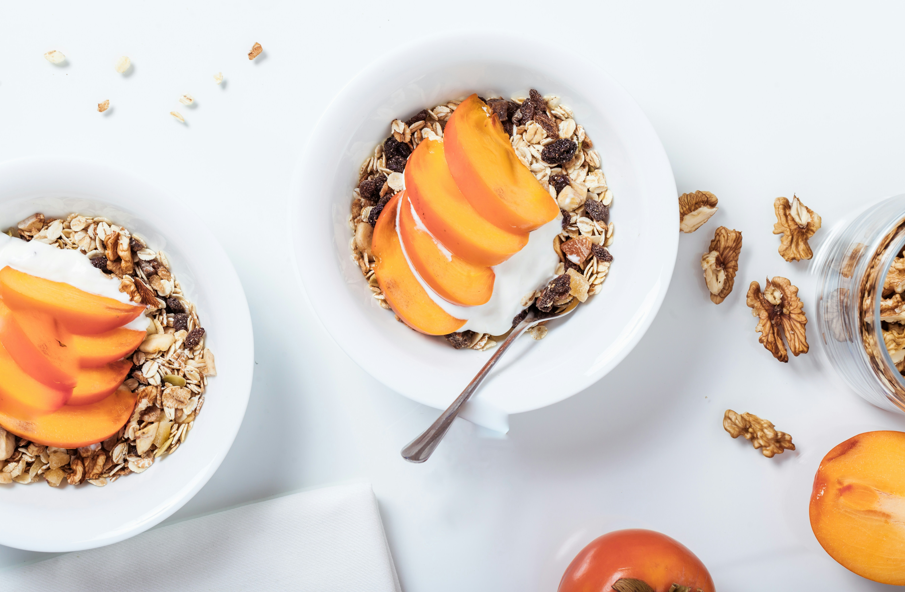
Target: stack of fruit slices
<point>475,203</point>
<point>62,361</point>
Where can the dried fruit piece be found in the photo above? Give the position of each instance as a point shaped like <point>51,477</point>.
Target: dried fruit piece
<point>559,181</point>
<point>780,313</point>
<point>181,322</point>
<point>55,57</point>
<point>378,209</point>
<point>194,338</point>
<point>101,107</point>
<point>596,210</point>
<point>256,50</point>
<point>578,285</point>
<point>577,250</point>
<point>695,209</point>
<point>720,264</point>
<point>797,223</point>
<point>570,199</point>
<point>370,188</point>
<point>557,288</point>
<point>463,339</point>
<point>178,116</point>
<point>759,432</point>
<point>122,64</point>
<point>601,253</point>
<point>559,151</point>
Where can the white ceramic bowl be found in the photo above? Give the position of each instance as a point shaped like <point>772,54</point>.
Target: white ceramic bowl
<point>580,350</point>
<point>39,518</point>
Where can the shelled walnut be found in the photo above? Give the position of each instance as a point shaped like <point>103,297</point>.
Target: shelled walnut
<point>760,432</point>
<point>695,209</point>
<point>720,263</point>
<point>797,223</point>
<point>780,313</point>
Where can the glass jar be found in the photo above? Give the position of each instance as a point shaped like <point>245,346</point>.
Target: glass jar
<point>850,268</point>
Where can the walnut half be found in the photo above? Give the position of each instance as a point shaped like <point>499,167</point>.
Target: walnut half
<point>695,209</point>
<point>797,223</point>
<point>720,264</point>
<point>759,432</point>
<point>780,313</point>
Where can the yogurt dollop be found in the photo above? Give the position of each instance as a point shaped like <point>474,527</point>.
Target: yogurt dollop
<point>528,270</point>
<point>64,266</point>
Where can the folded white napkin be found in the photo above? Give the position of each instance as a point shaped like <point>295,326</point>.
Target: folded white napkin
<point>325,540</point>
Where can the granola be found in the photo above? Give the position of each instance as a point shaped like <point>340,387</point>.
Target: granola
<point>170,369</point>
<point>555,148</point>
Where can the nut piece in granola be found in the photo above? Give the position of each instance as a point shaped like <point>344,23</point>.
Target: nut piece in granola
<point>759,432</point>
<point>695,209</point>
<point>720,263</point>
<point>797,223</point>
<point>780,313</point>
<point>256,50</point>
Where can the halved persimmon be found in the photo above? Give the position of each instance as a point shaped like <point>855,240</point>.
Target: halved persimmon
<point>449,216</point>
<point>74,427</point>
<point>78,311</point>
<point>95,384</point>
<point>450,276</point>
<point>488,172</point>
<point>403,293</point>
<point>40,346</point>
<point>22,395</point>
<point>96,351</point>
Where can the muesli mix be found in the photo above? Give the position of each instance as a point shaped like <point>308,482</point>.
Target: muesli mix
<point>170,369</point>
<point>556,149</point>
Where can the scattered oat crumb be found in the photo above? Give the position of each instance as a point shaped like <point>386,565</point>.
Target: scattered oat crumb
<point>55,57</point>
<point>186,99</point>
<point>101,107</point>
<point>178,116</point>
<point>122,64</point>
<point>255,51</point>
<point>218,77</point>
<point>538,332</point>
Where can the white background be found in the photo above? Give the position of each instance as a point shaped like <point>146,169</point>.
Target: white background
<point>752,101</point>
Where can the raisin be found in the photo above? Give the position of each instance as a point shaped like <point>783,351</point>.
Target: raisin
<point>540,105</point>
<point>524,114</point>
<point>500,107</point>
<point>512,108</point>
<point>507,127</point>
<point>194,338</point>
<point>558,287</point>
<point>175,305</point>
<point>559,151</point>
<point>393,147</point>
<point>461,340</point>
<point>146,268</point>
<point>136,245</point>
<point>419,116</point>
<point>520,317</point>
<point>370,188</point>
<point>566,218</point>
<point>546,122</point>
<point>396,163</point>
<point>376,210</point>
<point>601,253</point>
<point>597,211</point>
<point>181,322</point>
<point>559,182</point>
<point>100,262</point>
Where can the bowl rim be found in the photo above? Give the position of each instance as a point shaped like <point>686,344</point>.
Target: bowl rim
<point>488,40</point>
<point>238,386</point>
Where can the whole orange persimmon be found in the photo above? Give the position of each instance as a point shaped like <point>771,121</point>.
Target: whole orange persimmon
<point>645,561</point>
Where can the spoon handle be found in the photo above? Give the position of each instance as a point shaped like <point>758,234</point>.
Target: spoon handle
<point>421,448</point>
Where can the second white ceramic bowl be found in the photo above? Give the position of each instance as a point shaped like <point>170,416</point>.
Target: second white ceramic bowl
<point>39,518</point>
<point>577,352</point>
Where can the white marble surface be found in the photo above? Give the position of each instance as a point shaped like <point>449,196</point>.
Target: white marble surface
<point>751,101</point>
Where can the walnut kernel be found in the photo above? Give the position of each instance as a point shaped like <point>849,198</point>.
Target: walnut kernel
<point>797,223</point>
<point>720,263</point>
<point>695,209</point>
<point>780,313</point>
<point>759,432</point>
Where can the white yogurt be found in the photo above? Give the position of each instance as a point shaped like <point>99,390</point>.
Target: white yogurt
<point>64,266</point>
<point>528,270</point>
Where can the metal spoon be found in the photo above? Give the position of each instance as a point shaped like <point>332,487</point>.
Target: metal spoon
<point>421,448</point>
